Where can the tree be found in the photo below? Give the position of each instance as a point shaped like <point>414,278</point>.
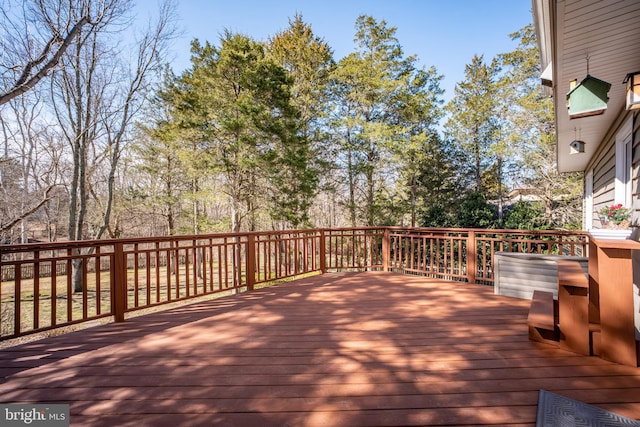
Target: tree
<point>418,147</point>
<point>524,216</point>
<point>369,87</point>
<point>440,187</point>
<point>158,154</point>
<point>35,35</point>
<point>308,61</point>
<point>233,109</point>
<point>36,156</point>
<point>474,212</point>
<point>96,97</point>
<point>533,133</point>
<point>473,121</point>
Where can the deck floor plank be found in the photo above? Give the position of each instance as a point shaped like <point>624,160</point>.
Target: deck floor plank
<point>357,349</point>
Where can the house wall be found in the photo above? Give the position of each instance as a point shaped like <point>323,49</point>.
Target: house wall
<point>603,168</point>
<point>636,171</point>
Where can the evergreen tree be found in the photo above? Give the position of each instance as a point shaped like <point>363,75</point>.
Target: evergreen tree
<point>524,216</point>
<point>245,119</point>
<point>418,147</point>
<point>308,61</point>
<point>439,184</point>
<point>176,153</point>
<point>235,109</point>
<point>473,119</point>
<point>157,151</point>
<point>532,132</point>
<point>474,212</point>
<point>372,90</point>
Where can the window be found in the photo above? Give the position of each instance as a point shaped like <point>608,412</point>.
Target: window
<point>588,201</point>
<point>623,164</point>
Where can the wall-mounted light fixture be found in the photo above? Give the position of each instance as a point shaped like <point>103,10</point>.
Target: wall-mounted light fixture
<point>633,90</point>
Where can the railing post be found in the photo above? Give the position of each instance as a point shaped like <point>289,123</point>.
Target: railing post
<point>472,257</point>
<point>323,252</point>
<point>119,293</point>
<point>17,315</point>
<point>386,249</point>
<point>251,261</point>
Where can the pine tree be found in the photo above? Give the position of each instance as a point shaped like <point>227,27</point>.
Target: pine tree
<point>232,113</point>
<point>473,119</point>
<point>419,146</point>
<point>157,151</point>
<point>308,61</point>
<point>532,133</point>
<point>372,88</point>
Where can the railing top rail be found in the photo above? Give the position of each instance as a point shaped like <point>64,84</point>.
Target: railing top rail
<point>109,242</point>
<point>489,231</point>
<point>355,228</point>
<point>74,244</point>
<point>539,232</point>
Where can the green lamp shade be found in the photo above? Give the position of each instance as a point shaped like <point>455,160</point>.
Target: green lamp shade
<point>588,98</point>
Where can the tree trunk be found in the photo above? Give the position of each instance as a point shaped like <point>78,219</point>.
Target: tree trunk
<point>352,183</point>
<point>476,153</point>
<point>77,276</point>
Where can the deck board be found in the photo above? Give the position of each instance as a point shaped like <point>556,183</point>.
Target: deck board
<point>357,349</point>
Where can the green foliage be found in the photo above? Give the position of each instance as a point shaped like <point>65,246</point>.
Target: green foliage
<point>469,211</point>
<point>249,127</point>
<point>390,208</point>
<point>364,84</point>
<point>385,110</point>
<point>159,153</point>
<point>532,132</point>
<point>439,185</point>
<point>473,211</point>
<point>473,122</point>
<point>525,216</point>
<point>437,216</point>
<point>262,128</point>
<point>308,61</point>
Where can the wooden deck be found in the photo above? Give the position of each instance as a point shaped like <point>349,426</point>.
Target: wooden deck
<point>357,349</point>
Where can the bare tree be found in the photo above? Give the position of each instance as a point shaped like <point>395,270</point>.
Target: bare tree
<point>117,124</point>
<point>38,37</point>
<point>28,155</point>
<point>96,96</point>
<point>35,34</point>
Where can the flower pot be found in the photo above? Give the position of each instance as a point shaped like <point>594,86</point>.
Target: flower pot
<point>610,233</point>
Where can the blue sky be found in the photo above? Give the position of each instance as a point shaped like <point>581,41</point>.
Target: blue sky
<point>442,33</point>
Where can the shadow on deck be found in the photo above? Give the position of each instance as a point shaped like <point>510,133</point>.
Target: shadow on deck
<point>366,349</point>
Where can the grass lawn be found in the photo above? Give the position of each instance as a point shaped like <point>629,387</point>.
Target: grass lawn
<point>153,286</point>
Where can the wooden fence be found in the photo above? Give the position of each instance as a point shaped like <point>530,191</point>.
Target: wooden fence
<point>45,286</point>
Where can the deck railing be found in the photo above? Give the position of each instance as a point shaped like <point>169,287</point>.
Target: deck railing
<point>50,285</point>
<point>467,254</point>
